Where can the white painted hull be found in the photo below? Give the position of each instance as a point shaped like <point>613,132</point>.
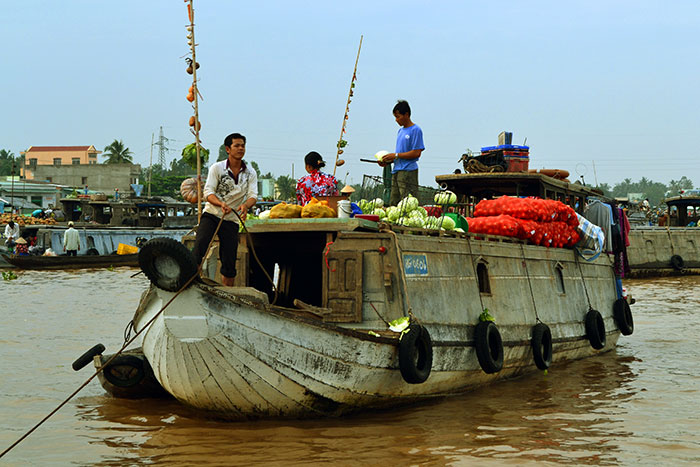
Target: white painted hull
<point>237,357</point>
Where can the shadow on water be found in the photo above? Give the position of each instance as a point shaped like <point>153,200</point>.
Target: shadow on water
<point>567,416</point>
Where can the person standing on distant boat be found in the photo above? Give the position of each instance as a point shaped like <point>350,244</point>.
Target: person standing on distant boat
<point>71,240</point>
<point>230,185</point>
<point>409,147</point>
<point>11,234</point>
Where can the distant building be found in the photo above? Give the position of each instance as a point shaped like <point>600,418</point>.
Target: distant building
<point>266,188</point>
<point>57,156</point>
<point>99,177</point>
<point>31,194</point>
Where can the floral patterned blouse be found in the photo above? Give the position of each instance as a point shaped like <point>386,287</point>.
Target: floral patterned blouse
<point>316,184</point>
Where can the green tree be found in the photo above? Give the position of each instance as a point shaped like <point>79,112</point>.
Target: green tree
<point>256,167</point>
<point>676,186</point>
<point>180,167</point>
<point>6,160</point>
<point>222,153</point>
<point>605,188</point>
<point>286,187</point>
<point>117,153</point>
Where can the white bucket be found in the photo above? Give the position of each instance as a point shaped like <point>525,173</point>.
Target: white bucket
<point>344,209</point>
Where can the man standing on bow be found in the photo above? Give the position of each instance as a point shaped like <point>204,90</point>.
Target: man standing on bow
<point>230,185</point>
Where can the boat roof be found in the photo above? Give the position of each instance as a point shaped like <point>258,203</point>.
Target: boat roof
<point>512,184</point>
<point>691,199</point>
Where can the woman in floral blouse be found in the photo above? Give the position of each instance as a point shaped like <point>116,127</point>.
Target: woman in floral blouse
<point>316,183</point>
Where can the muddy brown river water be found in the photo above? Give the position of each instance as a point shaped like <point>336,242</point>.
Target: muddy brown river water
<point>637,405</point>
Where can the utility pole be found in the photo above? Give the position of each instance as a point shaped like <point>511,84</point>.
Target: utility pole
<point>595,175</point>
<point>12,185</point>
<point>150,166</point>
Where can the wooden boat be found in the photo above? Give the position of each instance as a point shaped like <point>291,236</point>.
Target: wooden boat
<point>71,262</point>
<point>670,249</point>
<point>324,342</point>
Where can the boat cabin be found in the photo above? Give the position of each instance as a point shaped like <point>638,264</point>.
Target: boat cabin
<point>683,210</point>
<point>472,188</point>
<point>136,212</point>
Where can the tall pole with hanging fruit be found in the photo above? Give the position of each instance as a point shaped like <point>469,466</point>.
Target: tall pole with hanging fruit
<point>193,96</point>
<point>341,142</point>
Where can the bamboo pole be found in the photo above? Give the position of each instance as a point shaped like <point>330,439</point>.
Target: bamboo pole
<point>347,109</point>
<point>198,143</point>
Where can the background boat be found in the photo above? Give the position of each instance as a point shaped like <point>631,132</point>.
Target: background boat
<point>71,262</point>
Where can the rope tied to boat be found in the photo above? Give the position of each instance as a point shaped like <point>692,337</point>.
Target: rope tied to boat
<point>119,352</point>
<point>326,249</point>
<point>473,166</point>
<point>402,275</point>
<point>249,243</point>
<point>585,289</point>
<point>529,283</point>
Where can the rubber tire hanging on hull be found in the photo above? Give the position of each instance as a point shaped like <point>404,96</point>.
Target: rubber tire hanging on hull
<point>595,329</point>
<point>623,316</point>
<point>167,263</point>
<point>415,354</point>
<point>489,347</point>
<point>125,371</point>
<point>677,262</point>
<point>87,357</point>
<point>541,345</point>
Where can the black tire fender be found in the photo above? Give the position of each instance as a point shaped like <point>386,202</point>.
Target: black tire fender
<point>92,252</point>
<point>489,347</point>
<point>415,354</point>
<point>125,371</point>
<point>595,329</point>
<point>87,357</point>
<point>677,262</point>
<point>623,316</point>
<point>167,263</point>
<point>541,343</point>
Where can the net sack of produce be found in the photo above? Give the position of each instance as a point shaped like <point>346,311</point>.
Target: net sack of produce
<point>317,209</point>
<point>285,211</point>
<point>503,225</point>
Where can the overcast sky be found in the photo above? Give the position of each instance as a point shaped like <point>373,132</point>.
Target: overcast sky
<point>605,89</point>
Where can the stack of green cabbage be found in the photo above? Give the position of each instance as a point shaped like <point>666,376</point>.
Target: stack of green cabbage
<point>407,213</point>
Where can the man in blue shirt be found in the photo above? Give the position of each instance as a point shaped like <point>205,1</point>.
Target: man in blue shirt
<point>409,146</point>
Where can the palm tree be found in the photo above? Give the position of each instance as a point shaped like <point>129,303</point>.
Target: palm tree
<point>117,153</point>
<point>7,159</point>
<point>286,187</point>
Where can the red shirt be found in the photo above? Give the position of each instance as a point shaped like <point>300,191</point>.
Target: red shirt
<point>316,184</point>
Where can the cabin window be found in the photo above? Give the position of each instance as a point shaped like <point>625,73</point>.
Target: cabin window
<point>482,275</point>
<point>75,161</point>
<point>84,181</point>
<point>56,161</point>
<point>650,247</point>
<point>559,274</point>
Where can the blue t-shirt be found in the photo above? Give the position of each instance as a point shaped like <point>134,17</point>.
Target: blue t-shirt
<point>408,139</point>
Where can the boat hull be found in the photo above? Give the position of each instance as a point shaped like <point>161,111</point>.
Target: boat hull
<point>651,251</point>
<point>229,353</point>
<point>71,262</point>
